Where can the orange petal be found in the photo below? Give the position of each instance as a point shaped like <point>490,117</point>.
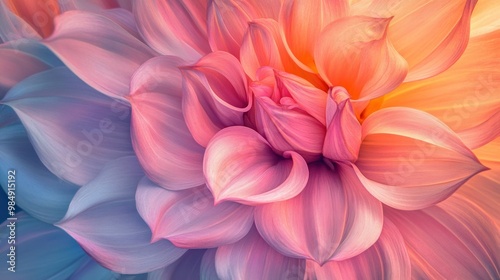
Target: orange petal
<point>430,36</point>
<point>485,18</point>
<point>465,96</point>
<point>38,14</point>
<point>353,52</point>
<point>301,23</point>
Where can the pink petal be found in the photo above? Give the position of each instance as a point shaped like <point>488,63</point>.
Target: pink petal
<point>308,97</point>
<point>98,62</point>
<point>453,240</point>
<point>343,136</point>
<point>187,20</point>
<point>475,83</point>
<point>94,130</point>
<point>252,258</point>
<point>14,27</point>
<point>15,66</point>
<point>250,172</point>
<point>287,128</point>
<point>162,142</point>
<point>103,218</point>
<point>189,218</point>
<point>215,95</point>
<point>228,21</point>
<point>410,160</point>
<point>334,218</point>
<point>37,15</point>
<point>158,33</point>
<point>301,23</point>
<point>386,259</point>
<point>353,52</point>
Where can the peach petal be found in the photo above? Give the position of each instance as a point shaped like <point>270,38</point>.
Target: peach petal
<point>410,160</point>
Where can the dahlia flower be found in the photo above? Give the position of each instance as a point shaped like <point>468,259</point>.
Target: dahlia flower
<point>250,139</point>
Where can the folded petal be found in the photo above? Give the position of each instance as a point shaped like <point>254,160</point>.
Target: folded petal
<point>386,259</point>
<point>43,251</point>
<point>289,129</point>
<point>410,160</point>
<point>189,218</point>
<point>215,95</point>
<point>343,135</point>
<point>431,36</point>
<point>161,139</point>
<point>301,23</point>
<point>187,20</point>
<point>106,63</point>
<point>94,129</point>
<point>158,34</point>
<point>252,258</point>
<point>227,21</point>
<point>453,240</point>
<point>15,66</point>
<point>103,218</point>
<point>354,52</point>
<point>45,197</point>
<point>465,96</point>
<point>333,218</point>
<point>250,172</point>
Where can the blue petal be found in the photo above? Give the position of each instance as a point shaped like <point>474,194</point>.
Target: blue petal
<point>74,129</point>
<point>39,192</point>
<point>43,251</point>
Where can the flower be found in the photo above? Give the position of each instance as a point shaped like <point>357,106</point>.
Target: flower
<point>267,139</point>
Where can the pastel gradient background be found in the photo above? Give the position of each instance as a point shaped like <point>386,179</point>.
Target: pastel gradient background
<point>251,139</point>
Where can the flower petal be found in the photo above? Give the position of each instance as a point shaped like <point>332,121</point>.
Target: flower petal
<point>410,160</point>
<point>443,55</point>
<point>97,61</point>
<point>214,95</point>
<point>161,139</point>
<point>46,197</point>
<point>15,66</point>
<point>453,240</point>
<point>187,20</point>
<point>474,82</point>
<point>289,129</point>
<point>439,34</point>
<point>189,218</point>
<point>157,32</point>
<point>40,16</point>
<point>250,172</point>
<point>94,130</point>
<point>333,218</point>
<point>233,261</point>
<point>103,218</point>
<point>370,66</point>
<point>207,269</point>
<point>46,253</point>
<point>343,135</point>
<point>301,23</point>
<point>484,19</point>
<point>187,267</point>
<point>483,189</point>
<point>227,21</point>
<point>386,259</point>
<point>13,26</point>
